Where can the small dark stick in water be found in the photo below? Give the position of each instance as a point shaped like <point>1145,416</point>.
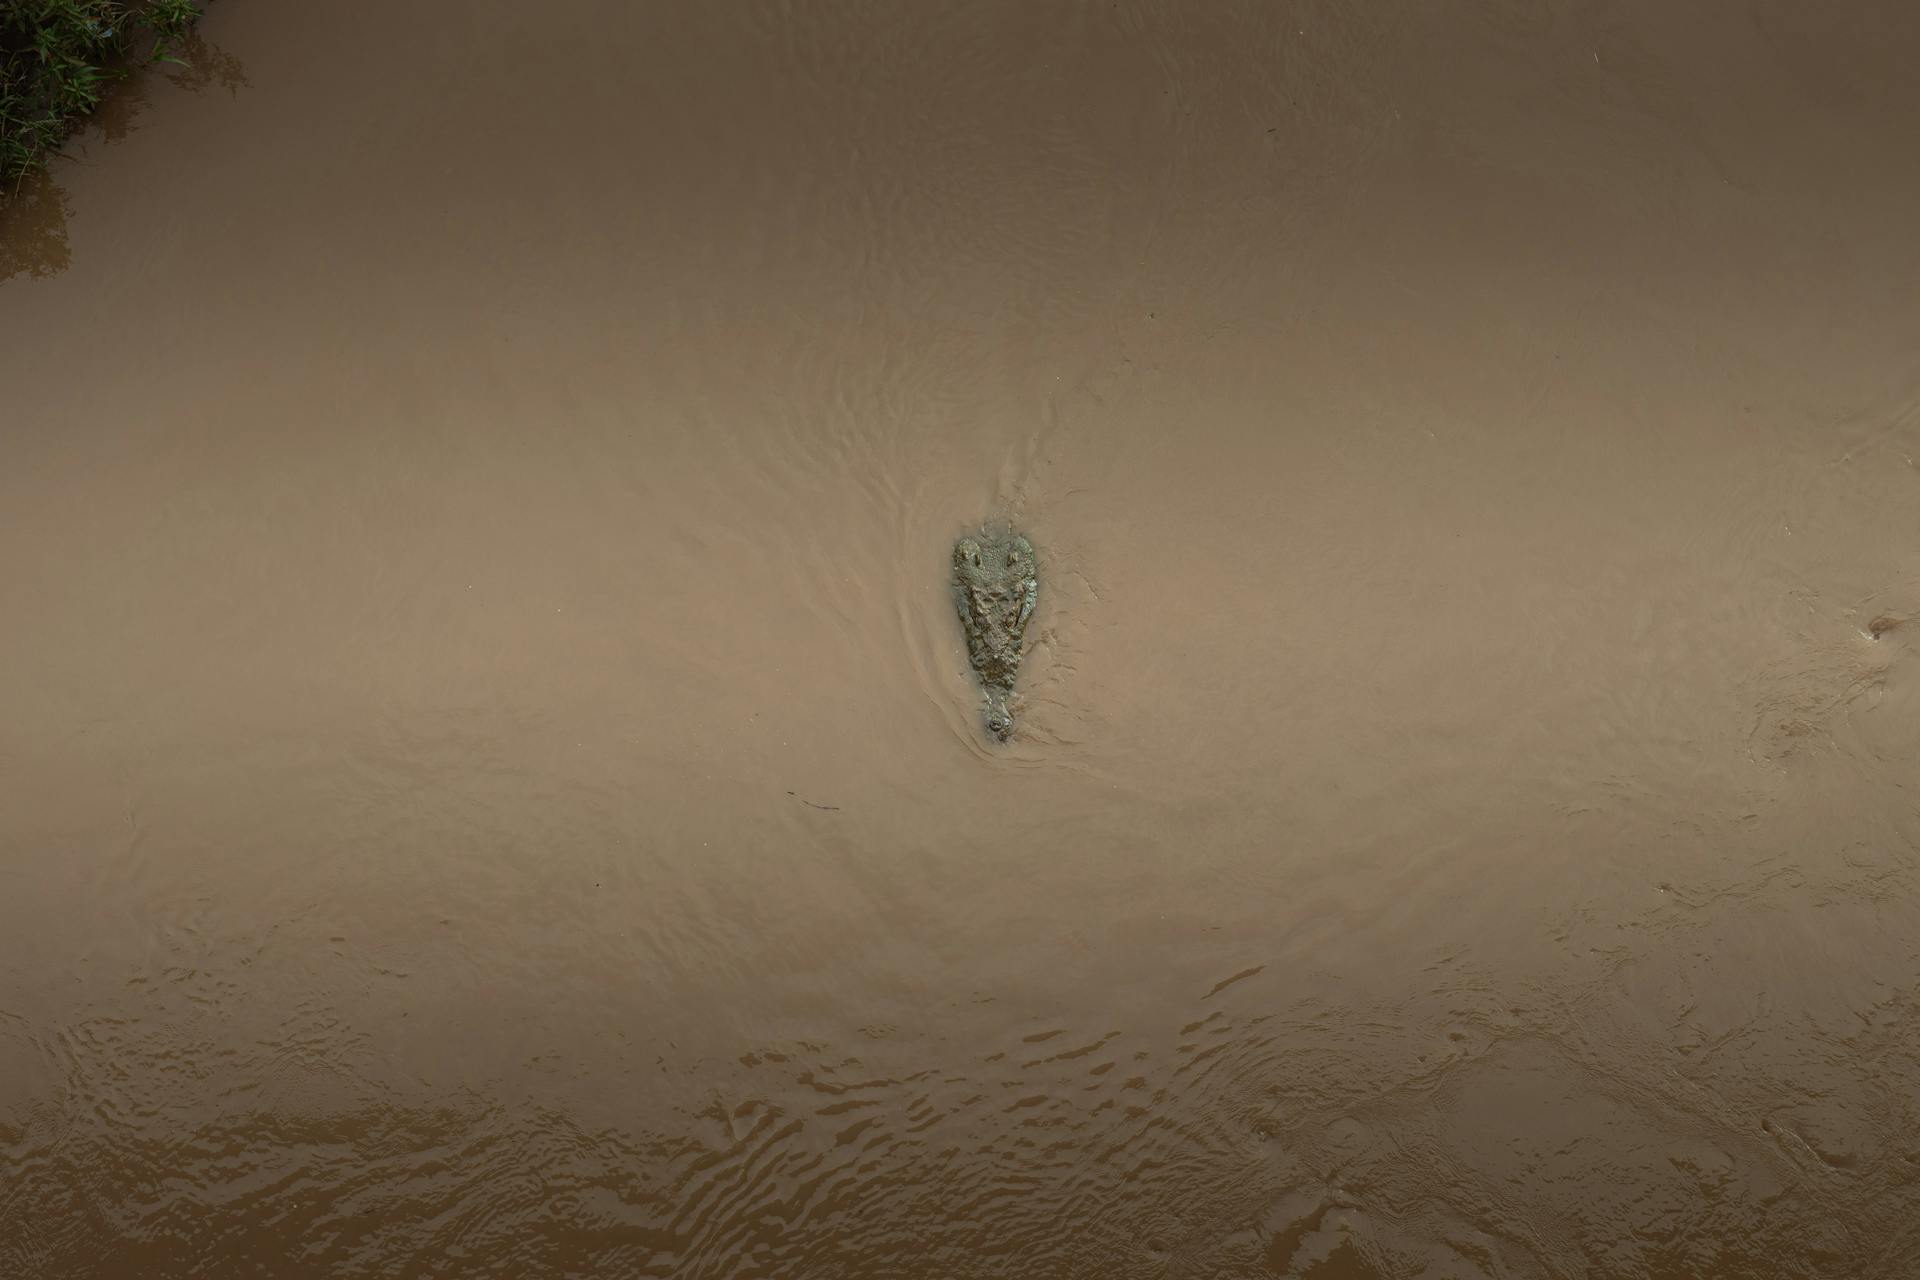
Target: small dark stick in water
<point>995,588</point>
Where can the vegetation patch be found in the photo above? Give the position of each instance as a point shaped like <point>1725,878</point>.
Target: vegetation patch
<point>58,57</point>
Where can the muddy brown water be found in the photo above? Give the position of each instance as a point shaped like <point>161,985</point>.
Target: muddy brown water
<point>491,784</point>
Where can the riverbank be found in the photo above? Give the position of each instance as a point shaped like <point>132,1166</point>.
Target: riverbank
<point>58,58</point>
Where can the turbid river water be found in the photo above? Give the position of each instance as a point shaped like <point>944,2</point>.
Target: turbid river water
<point>490,782</point>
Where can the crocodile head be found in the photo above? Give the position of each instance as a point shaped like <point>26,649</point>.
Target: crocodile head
<point>995,588</point>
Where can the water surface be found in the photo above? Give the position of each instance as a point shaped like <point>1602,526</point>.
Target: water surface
<point>492,784</point>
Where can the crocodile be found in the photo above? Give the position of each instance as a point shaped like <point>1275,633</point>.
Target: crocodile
<point>995,588</point>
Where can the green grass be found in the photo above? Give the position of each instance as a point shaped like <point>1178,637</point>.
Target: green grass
<point>58,57</point>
